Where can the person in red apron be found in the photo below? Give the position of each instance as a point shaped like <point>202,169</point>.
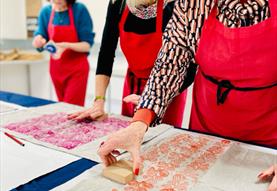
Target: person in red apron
<point>139,67</point>
<point>141,52</point>
<point>235,87</point>
<point>239,94</point>
<point>69,67</point>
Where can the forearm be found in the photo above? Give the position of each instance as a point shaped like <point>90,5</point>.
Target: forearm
<point>101,84</point>
<point>78,46</point>
<point>169,75</point>
<point>109,40</point>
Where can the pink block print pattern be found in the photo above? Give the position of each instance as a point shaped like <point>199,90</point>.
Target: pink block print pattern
<point>56,129</point>
<point>176,163</point>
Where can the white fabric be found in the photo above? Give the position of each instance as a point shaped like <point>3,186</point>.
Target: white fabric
<point>6,107</point>
<point>243,174</point>
<point>93,181</point>
<point>88,150</point>
<point>20,165</point>
<point>237,170</point>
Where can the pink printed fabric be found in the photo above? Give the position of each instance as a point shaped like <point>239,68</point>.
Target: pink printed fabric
<point>177,163</point>
<point>56,129</point>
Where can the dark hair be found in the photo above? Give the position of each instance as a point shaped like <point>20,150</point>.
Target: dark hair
<point>70,2</point>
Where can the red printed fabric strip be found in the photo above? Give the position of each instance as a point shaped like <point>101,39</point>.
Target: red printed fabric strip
<point>178,162</point>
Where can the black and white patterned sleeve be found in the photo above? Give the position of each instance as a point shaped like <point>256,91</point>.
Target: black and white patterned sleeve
<point>176,56</point>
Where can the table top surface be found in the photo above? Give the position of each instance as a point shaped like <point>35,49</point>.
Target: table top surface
<point>57,178</point>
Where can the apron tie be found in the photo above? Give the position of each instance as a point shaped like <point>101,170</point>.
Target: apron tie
<point>223,89</point>
<point>225,86</point>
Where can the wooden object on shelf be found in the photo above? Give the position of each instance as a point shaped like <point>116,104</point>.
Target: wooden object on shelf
<point>15,54</point>
<point>33,7</point>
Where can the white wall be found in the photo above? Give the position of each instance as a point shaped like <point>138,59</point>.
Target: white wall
<point>98,10</point>
<point>12,19</point>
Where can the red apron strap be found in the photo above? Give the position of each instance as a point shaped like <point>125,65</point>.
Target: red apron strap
<point>51,17</point>
<point>124,17</point>
<point>273,7</point>
<point>71,18</point>
<point>214,9</point>
<point>159,18</point>
<point>70,14</point>
<point>50,24</point>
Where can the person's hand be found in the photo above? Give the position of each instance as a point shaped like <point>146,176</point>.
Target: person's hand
<point>96,112</point>
<point>268,174</point>
<point>39,41</point>
<point>129,139</point>
<point>61,47</point>
<point>132,98</point>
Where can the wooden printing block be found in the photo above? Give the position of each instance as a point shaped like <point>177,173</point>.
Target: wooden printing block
<point>121,172</point>
<point>128,165</point>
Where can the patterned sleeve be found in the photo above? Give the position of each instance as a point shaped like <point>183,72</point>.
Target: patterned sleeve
<point>170,71</point>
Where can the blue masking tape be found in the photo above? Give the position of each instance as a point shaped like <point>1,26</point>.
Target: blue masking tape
<point>50,48</point>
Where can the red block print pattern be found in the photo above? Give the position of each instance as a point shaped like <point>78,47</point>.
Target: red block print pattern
<point>58,130</point>
<point>176,163</point>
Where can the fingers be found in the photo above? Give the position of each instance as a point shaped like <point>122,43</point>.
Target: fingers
<point>43,41</point>
<point>94,115</point>
<point>78,115</point>
<point>121,140</point>
<point>133,98</point>
<point>105,151</point>
<point>265,174</point>
<point>273,184</point>
<point>111,159</point>
<point>136,160</point>
<point>35,43</point>
<point>84,115</point>
<point>74,115</point>
<point>38,41</point>
<point>90,113</point>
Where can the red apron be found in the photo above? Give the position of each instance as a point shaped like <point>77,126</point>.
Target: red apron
<point>141,53</point>
<point>69,73</point>
<point>235,88</point>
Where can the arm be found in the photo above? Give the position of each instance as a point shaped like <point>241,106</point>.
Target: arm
<point>109,39</point>
<point>84,26</point>
<point>75,46</point>
<point>105,63</point>
<point>168,74</point>
<point>41,34</point>
<point>175,66</point>
<point>108,47</point>
<point>101,84</point>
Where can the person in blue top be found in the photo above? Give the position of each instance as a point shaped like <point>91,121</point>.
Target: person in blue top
<point>69,26</point>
